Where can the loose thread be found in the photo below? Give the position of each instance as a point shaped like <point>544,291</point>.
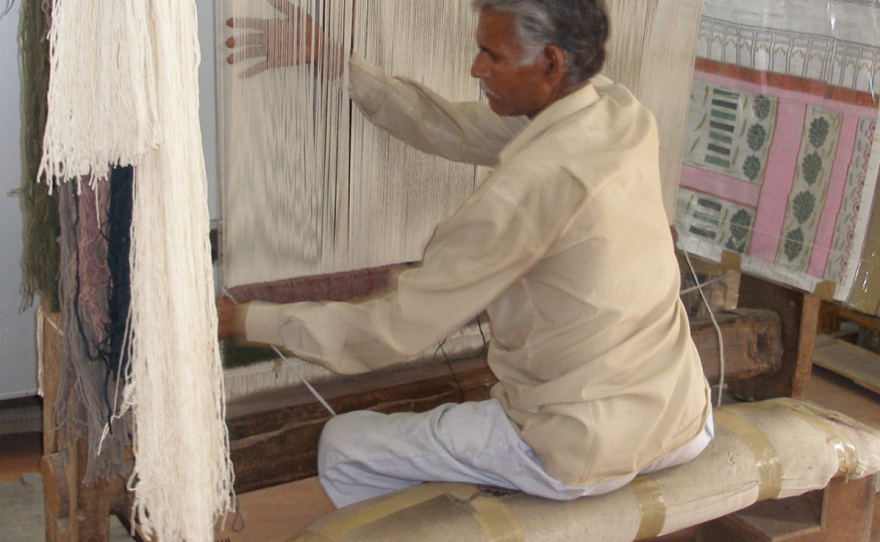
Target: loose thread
<point>292,366</point>
<point>451,370</point>
<point>717,328</point>
<point>41,320</point>
<point>314,392</point>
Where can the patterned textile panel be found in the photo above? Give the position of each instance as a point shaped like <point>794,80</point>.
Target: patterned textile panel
<point>341,286</point>
<point>779,168</point>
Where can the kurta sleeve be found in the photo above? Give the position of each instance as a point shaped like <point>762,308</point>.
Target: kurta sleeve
<point>466,132</point>
<point>491,242</point>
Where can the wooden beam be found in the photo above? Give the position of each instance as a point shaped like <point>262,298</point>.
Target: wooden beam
<point>865,320</point>
<point>274,436</point>
<point>799,315</point>
<point>93,501</point>
<point>56,493</point>
<point>51,371</point>
<point>752,344</point>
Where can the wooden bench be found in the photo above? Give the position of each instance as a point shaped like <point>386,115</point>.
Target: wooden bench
<point>761,451</point>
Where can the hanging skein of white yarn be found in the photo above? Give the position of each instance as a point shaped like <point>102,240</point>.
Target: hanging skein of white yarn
<point>124,90</point>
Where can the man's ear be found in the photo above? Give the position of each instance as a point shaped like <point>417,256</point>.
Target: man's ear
<point>554,64</point>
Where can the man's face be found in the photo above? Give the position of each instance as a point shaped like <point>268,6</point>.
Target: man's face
<point>513,89</point>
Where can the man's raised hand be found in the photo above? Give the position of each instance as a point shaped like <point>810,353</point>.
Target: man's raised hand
<point>279,42</point>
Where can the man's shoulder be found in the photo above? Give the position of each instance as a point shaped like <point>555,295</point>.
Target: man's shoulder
<point>591,141</point>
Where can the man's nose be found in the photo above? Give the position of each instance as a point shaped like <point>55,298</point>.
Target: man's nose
<point>478,68</point>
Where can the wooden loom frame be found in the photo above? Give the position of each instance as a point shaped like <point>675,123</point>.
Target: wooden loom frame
<point>768,343</point>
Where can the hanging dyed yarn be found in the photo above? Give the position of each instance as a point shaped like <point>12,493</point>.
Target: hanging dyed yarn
<point>39,262</point>
<point>126,93</point>
<point>82,405</point>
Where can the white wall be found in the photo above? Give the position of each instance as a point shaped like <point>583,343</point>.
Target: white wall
<point>18,374</point>
<point>207,100</point>
<point>18,367</point>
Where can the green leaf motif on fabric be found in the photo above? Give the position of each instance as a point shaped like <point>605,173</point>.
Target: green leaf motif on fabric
<point>762,107</point>
<point>811,166</point>
<point>794,244</point>
<point>756,137</point>
<point>803,206</point>
<point>740,223</point>
<point>752,167</point>
<point>819,131</point>
<point>736,245</point>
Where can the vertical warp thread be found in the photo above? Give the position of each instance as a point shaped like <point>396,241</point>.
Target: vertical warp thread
<point>309,186</point>
<point>651,51</point>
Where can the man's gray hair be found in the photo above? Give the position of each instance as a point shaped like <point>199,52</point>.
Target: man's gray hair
<point>578,27</point>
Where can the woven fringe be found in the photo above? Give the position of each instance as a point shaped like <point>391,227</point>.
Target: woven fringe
<point>332,287</point>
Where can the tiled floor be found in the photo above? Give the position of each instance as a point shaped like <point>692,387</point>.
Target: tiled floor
<point>276,513</point>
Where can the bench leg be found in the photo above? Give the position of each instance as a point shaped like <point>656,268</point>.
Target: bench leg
<point>841,512</point>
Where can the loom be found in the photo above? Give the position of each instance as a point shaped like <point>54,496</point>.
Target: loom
<point>349,217</point>
<point>310,191</point>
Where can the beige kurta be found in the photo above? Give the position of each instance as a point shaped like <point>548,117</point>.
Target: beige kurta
<point>566,245</point>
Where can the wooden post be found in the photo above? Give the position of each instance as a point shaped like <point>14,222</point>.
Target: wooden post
<point>57,499</point>
<point>75,512</point>
<point>93,501</point>
<point>842,512</point>
<point>59,481</point>
<point>51,371</point>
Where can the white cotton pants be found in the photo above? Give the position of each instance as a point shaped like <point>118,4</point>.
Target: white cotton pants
<point>364,454</point>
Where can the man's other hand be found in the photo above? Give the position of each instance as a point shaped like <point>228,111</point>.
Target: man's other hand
<point>231,318</point>
<point>278,42</point>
